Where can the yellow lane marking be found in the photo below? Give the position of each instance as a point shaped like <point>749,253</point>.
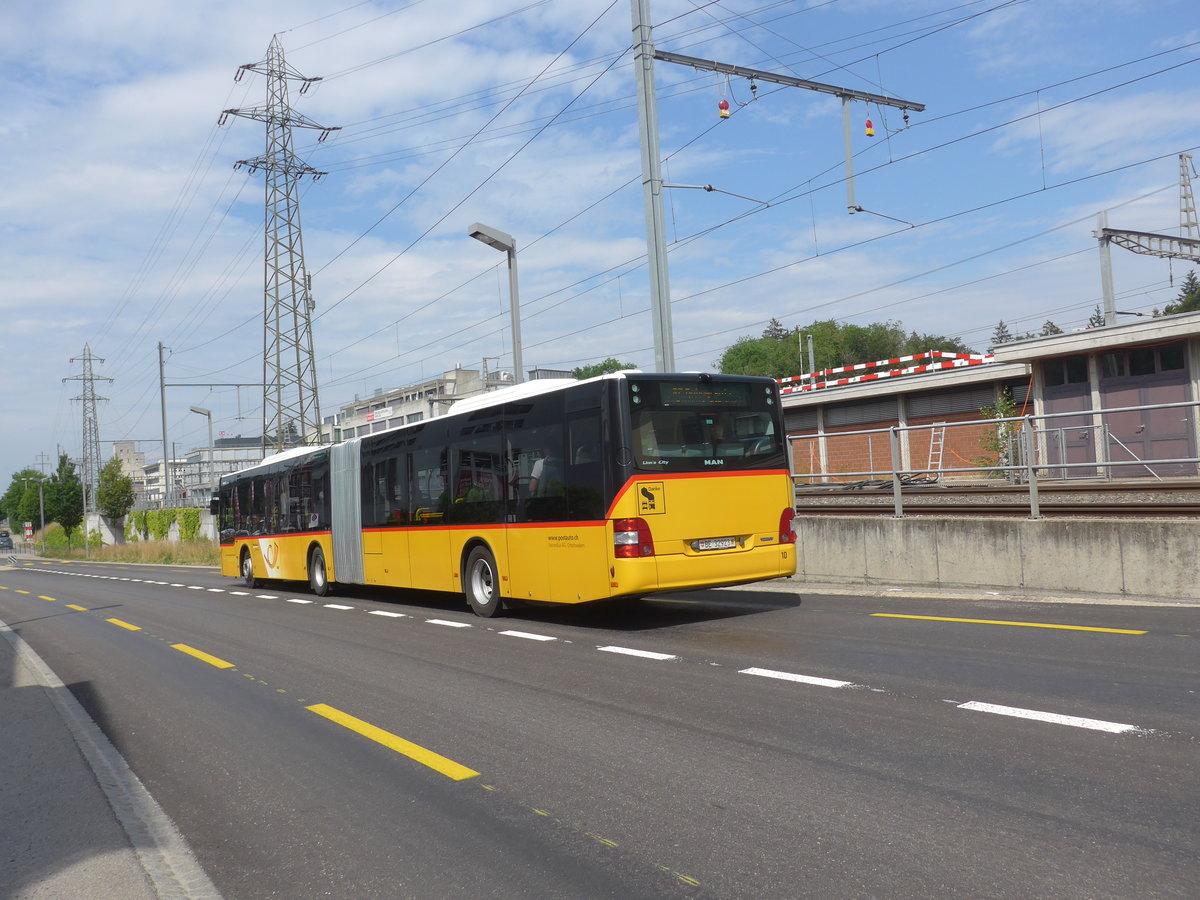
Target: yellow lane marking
<point>40,597</point>
<point>202,656</point>
<point>80,608</point>
<point>121,624</point>
<point>1015,624</point>
<point>19,591</point>
<point>438,763</point>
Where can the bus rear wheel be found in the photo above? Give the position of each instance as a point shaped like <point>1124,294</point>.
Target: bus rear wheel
<point>481,583</point>
<point>247,569</point>
<point>318,574</point>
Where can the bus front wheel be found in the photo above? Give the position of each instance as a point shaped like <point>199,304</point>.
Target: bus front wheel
<point>247,567</point>
<point>318,574</point>
<point>481,583</point>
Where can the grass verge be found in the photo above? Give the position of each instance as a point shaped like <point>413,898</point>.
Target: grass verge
<point>193,553</point>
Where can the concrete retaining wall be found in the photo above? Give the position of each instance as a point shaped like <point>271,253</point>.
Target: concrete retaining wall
<point>1127,557</point>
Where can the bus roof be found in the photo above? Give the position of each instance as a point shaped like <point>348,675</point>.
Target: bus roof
<point>527,389</point>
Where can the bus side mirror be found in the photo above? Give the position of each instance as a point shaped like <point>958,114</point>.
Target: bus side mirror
<point>212,505</point>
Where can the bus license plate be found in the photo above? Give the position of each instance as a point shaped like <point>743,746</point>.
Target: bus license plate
<point>725,543</point>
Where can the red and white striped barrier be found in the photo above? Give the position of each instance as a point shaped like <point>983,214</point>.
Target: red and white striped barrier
<point>953,361</point>
<point>879,363</point>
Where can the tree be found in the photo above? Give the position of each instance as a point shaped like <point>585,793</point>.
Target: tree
<point>601,368</point>
<point>20,501</point>
<point>775,331</point>
<point>114,493</point>
<point>778,352</point>
<point>919,343</point>
<point>1189,296</point>
<point>1050,328</point>
<point>1000,336</point>
<point>759,356</point>
<point>64,496</point>
<point>1096,320</point>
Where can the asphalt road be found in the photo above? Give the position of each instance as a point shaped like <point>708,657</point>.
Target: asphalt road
<point>734,743</point>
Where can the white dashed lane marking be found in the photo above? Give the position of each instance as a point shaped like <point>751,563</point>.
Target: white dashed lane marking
<point>791,676</point>
<point>1052,718</point>
<point>814,680</point>
<point>644,654</point>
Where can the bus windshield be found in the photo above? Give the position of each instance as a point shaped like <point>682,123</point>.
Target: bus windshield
<point>705,426</point>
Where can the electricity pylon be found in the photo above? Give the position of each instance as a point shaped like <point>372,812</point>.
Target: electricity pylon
<point>91,425</point>
<point>291,408</point>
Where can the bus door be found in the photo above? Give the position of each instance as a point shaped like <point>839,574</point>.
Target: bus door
<point>579,552</point>
<point>385,550</point>
<point>429,561</point>
<point>534,461</point>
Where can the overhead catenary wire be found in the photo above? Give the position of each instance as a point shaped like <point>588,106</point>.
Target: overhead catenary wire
<point>534,312</point>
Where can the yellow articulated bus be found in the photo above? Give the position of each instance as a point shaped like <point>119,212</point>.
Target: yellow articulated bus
<point>552,491</point>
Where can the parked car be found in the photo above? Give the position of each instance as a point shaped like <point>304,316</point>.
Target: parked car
<point>5,542</point>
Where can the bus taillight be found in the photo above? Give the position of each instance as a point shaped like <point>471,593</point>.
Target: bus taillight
<point>787,534</point>
<point>632,539</point>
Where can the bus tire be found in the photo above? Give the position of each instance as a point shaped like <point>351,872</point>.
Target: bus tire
<point>481,583</point>
<point>246,567</point>
<point>318,573</point>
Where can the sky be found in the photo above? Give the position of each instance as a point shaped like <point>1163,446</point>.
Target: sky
<point>126,225</point>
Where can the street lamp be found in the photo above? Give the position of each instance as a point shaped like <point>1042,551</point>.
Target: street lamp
<point>508,244</point>
<point>207,413</point>
<point>41,508</point>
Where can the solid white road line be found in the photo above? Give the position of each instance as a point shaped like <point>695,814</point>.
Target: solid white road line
<point>1053,718</point>
<point>791,676</point>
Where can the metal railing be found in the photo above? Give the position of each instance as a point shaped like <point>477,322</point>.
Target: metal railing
<point>1158,441</point>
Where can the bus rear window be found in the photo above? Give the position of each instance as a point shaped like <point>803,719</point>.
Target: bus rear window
<point>694,426</point>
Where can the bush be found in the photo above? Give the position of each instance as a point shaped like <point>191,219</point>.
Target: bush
<point>189,524</point>
<point>135,526</point>
<point>159,522</point>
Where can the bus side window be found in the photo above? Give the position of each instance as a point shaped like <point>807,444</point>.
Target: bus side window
<point>427,493</point>
<point>585,474</point>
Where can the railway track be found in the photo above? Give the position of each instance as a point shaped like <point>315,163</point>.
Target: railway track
<point>1131,499</point>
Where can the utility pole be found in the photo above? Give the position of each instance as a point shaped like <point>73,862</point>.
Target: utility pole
<point>91,430</point>
<point>166,466</point>
<point>291,408</point>
<point>652,187</point>
<point>652,183</point>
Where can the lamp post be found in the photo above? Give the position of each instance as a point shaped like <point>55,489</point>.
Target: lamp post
<point>41,508</point>
<point>207,413</point>
<point>507,243</point>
